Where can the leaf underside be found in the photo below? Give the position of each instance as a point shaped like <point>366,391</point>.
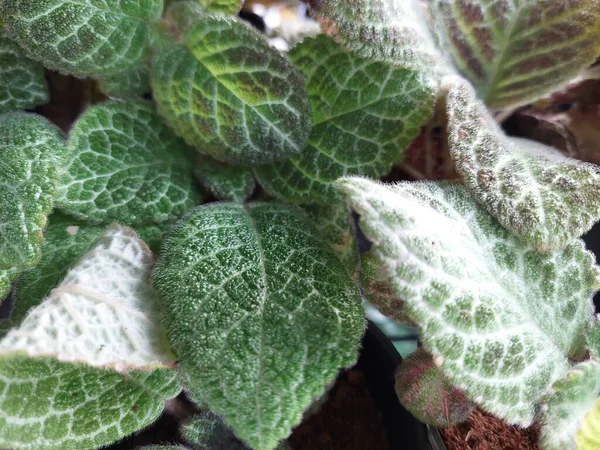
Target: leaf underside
<point>227,182</point>
<point>501,316</point>
<point>207,430</point>
<point>275,314</point>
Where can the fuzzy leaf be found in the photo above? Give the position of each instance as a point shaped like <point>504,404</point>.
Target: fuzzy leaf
<point>565,408</point>
<point>125,165</point>
<point>500,316</point>
<point>226,182</point>
<point>104,312</point>
<point>132,84</point>
<point>392,31</point>
<point>223,6</point>
<point>529,188</point>
<point>207,430</point>
<point>364,116</point>
<point>22,82</point>
<point>587,438</point>
<point>83,37</point>
<point>515,52</point>
<point>65,241</point>
<point>31,149</point>
<point>275,315</point>
<point>231,95</point>
<point>593,338</point>
<point>426,393</point>
<point>6,278</point>
<point>49,405</point>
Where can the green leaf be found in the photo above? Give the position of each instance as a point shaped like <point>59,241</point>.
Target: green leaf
<point>22,81</point>
<point>529,188</point>
<point>131,85</point>
<point>125,165</point>
<point>6,279</point>
<point>223,6</point>
<point>207,430</point>
<point>275,314</point>
<point>83,37</point>
<point>565,408</point>
<point>364,116</point>
<point>500,316</point>
<point>518,51</point>
<point>587,436</point>
<point>182,16</point>
<point>31,149</point>
<point>103,313</point>
<point>46,404</point>
<point>65,241</point>
<point>593,338</point>
<point>427,394</point>
<point>227,182</point>
<point>231,95</point>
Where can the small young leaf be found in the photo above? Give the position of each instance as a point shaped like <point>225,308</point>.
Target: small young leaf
<point>427,394</point>
<point>499,315</point>
<point>231,95</point>
<point>49,405</point>
<point>125,165</point>
<point>227,182</point>
<point>223,6</point>
<point>275,315</point>
<point>529,188</point>
<point>364,116</point>
<point>31,150</point>
<point>83,37</point>
<point>518,51</point>
<point>132,84</point>
<point>565,408</point>
<point>22,82</point>
<point>103,313</point>
<point>207,430</point>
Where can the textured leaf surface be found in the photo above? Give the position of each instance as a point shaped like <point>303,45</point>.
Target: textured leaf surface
<point>571,399</point>
<point>223,6</point>
<point>104,312</point>
<point>132,84</point>
<point>231,95</point>
<point>226,182</point>
<point>125,165</point>
<point>593,338</point>
<point>516,51</point>
<point>275,314</point>
<point>49,405</point>
<point>6,278</point>
<point>392,31</point>
<point>364,115</point>
<point>83,37</point>
<point>529,188</point>
<point>499,315</point>
<point>588,436</point>
<point>22,82</point>
<point>426,393</point>
<point>207,430</point>
<point>31,150</point>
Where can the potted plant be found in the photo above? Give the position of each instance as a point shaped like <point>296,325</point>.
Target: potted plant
<point>130,287</point>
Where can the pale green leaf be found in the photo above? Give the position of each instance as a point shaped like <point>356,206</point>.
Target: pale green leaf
<point>427,394</point>
<point>103,313</point>
<point>564,409</point>
<point>364,116</point>
<point>529,188</point>
<point>83,37</point>
<point>132,84</point>
<point>231,95</point>
<point>125,165</point>
<point>500,316</point>
<point>516,51</point>
<point>275,315</point>
<point>588,436</point>
<point>31,150</point>
<point>22,82</point>
<point>207,430</point>
<point>593,338</point>
<point>227,182</point>
<point>182,16</point>
<point>49,405</point>
<point>222,6</point>
<point>6,278</point>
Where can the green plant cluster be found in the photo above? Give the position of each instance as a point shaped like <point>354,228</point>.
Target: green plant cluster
<point>128,289</point>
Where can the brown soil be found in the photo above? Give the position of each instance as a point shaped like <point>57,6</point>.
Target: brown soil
<point>485,432</point>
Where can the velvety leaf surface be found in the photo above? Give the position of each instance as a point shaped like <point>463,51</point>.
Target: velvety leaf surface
<point>565,408</point>
<point>103,313</point>
<point>593,338</point>
<point>125,165</point>
<point>207,430</point>
<point>364,115</point>
<point>132,84</point>
<point>516,51</point>
<point>227,182</point>
<point>499,315</point>
<point>22,82</point>
<point>223,6</point>
<point>83,37</point>
<point>6,278</point>
<point>275,315</point>
<point>31,150</point>
<point>231,95</point>
<point>427,394</point>
<point>49,405</point>
<point>529,188</point>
